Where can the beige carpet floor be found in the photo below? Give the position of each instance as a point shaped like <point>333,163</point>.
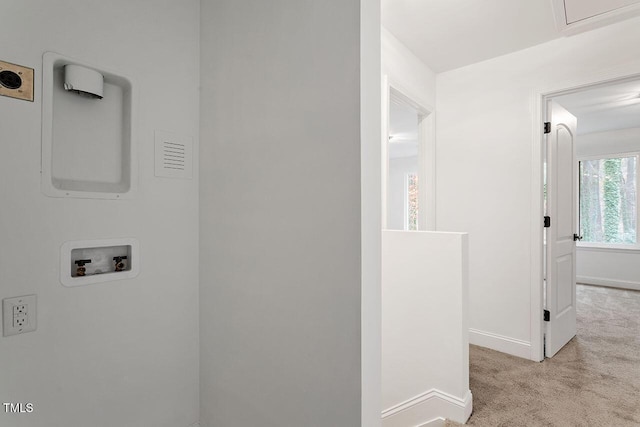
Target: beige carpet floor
<point>593,381</point>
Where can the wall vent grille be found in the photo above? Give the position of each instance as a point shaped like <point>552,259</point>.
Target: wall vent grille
<point>173,155</point>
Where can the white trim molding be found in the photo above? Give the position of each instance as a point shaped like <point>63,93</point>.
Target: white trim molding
<point>609,283</point>
<point>604,247</point>
<point>512,346</point>
<point>436,422</point>
<point>429,409</point>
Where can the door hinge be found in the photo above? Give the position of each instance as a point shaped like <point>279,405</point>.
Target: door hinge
<point>547,315</point>
<point>547,127</point>
<point>547,221</point>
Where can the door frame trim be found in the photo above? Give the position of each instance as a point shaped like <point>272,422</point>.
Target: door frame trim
<point>392,89</point>
<point>539,98</point>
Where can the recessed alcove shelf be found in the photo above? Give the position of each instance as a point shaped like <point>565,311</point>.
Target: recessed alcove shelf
<point>98,259</point>
<point>88,144</point>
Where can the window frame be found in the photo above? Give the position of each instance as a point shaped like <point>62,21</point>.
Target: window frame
<point>618,247</point>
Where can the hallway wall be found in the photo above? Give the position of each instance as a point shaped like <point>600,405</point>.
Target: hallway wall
<point>425,351</point>
<point>406,71</point>
<point>485,149</point>
<point>121,353</point>
<point>280,213</point>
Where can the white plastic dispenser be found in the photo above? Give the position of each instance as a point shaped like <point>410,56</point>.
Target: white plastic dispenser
<point>83,81</point>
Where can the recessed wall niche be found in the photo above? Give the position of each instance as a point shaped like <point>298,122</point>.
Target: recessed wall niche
<point>88,143</point>
<point>86,262</point>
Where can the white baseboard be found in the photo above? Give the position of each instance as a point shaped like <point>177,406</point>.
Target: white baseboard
<point>437,422</point>
<point>430,409</point>
<point>610,283</point>
<point>500,343</point>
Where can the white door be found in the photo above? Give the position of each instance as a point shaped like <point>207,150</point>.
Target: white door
<point>562,186</point>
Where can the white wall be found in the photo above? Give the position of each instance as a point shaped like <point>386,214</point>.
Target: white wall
<point>608,267</point>
<point>617,268</point>
<point>280,207</point>
<point>425,331</point>
<point>398,169</point>
<point>371,214</point>
<point>121,353</point>
<point>485,146</point>
<point>406,71</point>
<point>425,346</point>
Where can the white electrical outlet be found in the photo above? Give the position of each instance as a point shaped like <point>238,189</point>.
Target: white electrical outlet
<point>18,315</point>
<point>20,322</point>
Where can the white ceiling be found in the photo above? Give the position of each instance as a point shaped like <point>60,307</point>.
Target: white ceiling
<point>447,34</point>
<point>605,108</point>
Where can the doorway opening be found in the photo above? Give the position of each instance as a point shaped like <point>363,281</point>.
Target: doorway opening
<point>408,164</point>
<point>590,155</point>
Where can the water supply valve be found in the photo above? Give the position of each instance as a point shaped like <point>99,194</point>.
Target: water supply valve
<point>119,264</point>
<point>81,270</point>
